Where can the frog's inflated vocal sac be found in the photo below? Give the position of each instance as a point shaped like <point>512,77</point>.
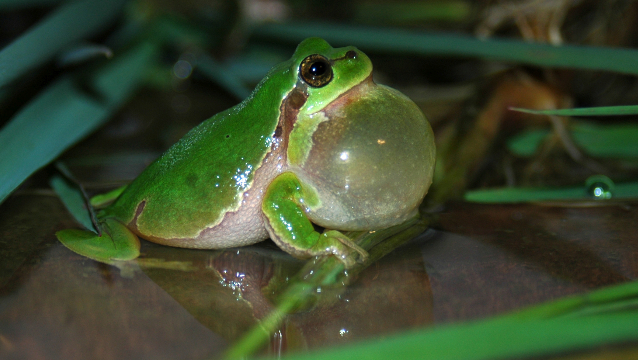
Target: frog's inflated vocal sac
<point>316,142</point>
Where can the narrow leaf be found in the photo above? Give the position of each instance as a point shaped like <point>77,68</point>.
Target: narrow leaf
<point>518,195</point>
<point>611,141</point>
<point>73,201</point>
<point>21,4</point>
<point>63,114</point>
<point>68,24</point>
<point>518,335</point>
<point>574,305</point>
<point>493,339</point>
<point>427,44</point>
<point>593,111</point>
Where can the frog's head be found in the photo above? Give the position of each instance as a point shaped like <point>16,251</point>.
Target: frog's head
<point>326,72</point>
<point>355,138</point>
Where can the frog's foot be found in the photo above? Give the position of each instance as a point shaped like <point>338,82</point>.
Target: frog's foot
<point>332,242</point>
<point>363,255</point>
<point>116,243</point>
<point>286,222</point>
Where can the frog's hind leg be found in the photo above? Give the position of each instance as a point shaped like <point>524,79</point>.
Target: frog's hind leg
<point>116,243</point>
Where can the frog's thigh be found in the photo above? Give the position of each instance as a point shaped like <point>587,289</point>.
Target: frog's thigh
<point>292,231</point>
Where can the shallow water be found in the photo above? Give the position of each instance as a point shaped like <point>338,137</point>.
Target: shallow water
<point>482,260</point>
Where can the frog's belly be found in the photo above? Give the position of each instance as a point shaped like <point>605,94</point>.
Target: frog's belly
<point>245,226</point>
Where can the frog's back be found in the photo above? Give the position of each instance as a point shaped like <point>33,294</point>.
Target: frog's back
<point>204,175</point>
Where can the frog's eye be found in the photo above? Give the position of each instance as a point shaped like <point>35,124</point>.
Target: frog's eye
<point>316,70</point>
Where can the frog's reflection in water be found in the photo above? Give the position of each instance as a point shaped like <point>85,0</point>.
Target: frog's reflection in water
<point>229,291</point>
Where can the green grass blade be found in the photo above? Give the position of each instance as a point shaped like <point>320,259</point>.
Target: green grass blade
<point>21,4</point>
<point>68,24</point>
<point>493,339</point>
<point>609,141</point>
<point>518,195</point>
<point>62,115</point>
<point>603,300</point>
<point>420,43</point>
<point>73,201</point>
<point>520,335</point>
<point>593,111</point>
<point>526,143</point>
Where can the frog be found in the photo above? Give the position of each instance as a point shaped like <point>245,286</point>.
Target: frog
<point>316,150</point>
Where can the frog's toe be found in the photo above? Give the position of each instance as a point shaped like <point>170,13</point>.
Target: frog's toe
<point>363,255</point>
<point>339,245</point>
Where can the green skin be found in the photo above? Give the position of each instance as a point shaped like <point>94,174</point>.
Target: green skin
<point>338,151</point>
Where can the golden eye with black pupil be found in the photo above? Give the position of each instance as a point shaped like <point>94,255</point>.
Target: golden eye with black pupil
<point>316,71</point>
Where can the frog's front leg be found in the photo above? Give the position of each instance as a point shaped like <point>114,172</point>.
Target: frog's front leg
<point>292,231</point>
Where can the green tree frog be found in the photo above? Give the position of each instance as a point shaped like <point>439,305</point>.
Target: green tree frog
<point>317,142</point>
